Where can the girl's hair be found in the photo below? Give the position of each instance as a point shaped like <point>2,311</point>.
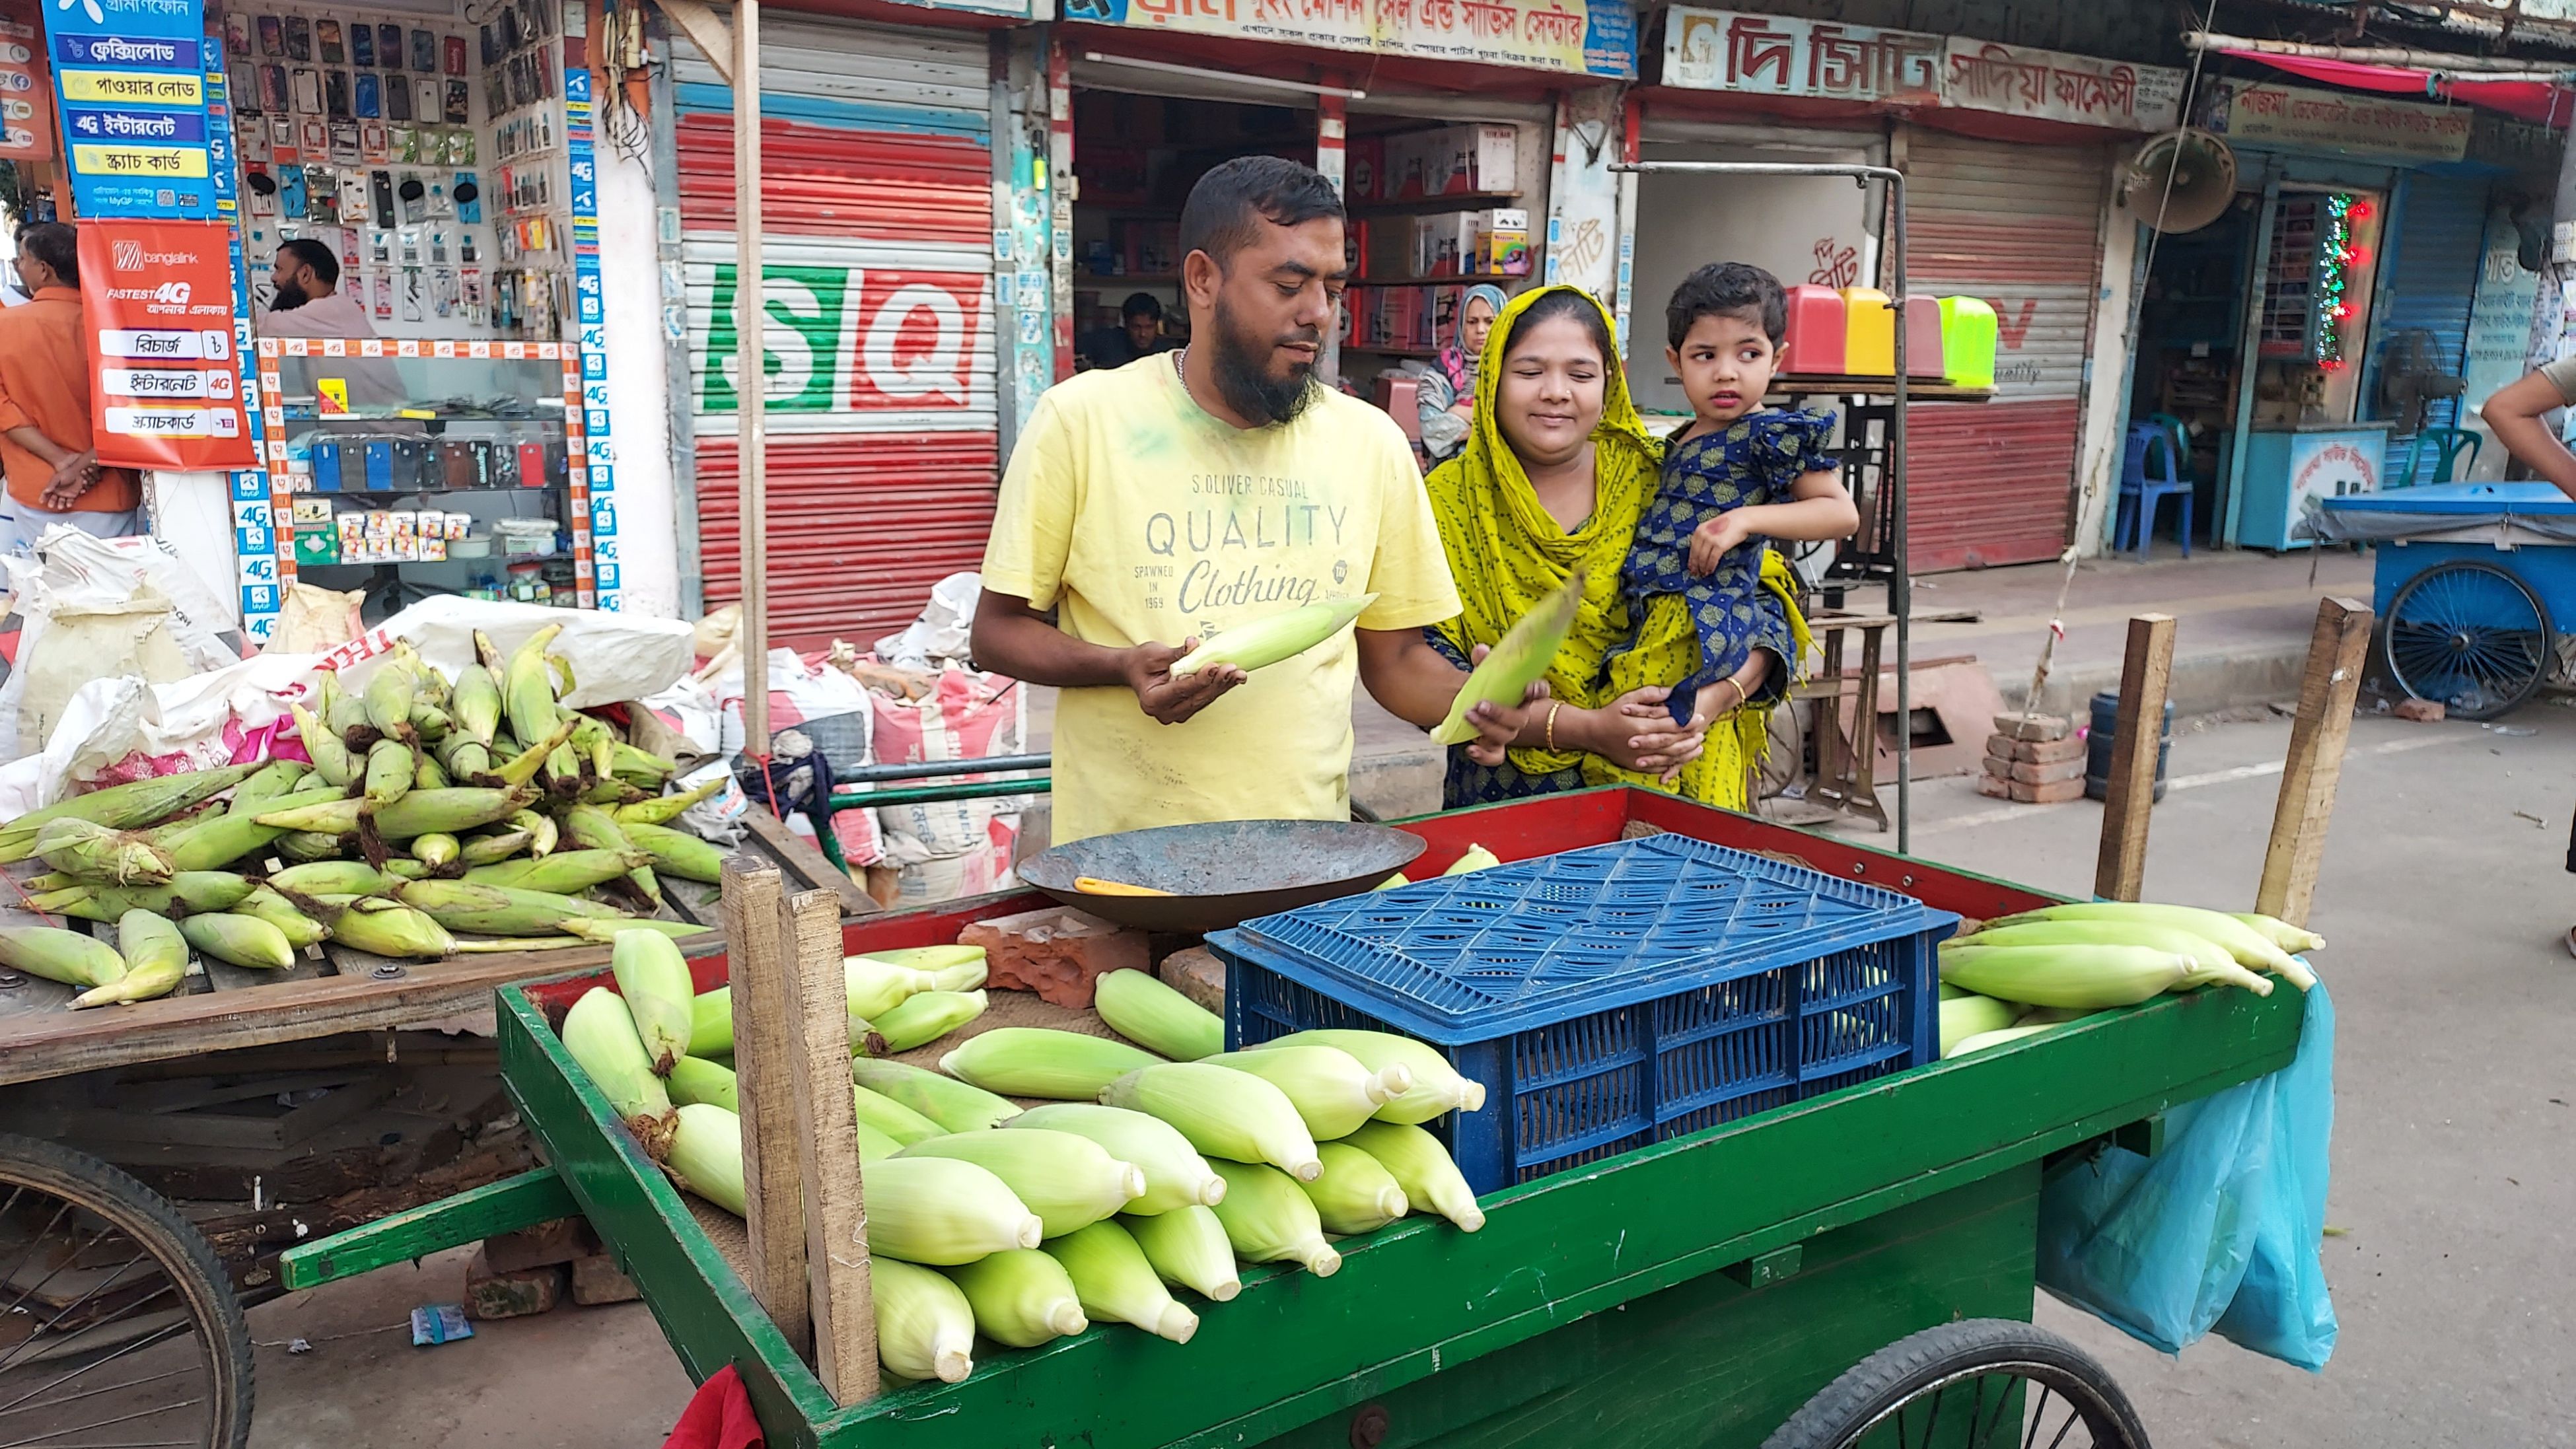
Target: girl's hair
<point>1567,303</point>
<point>1727,289</point>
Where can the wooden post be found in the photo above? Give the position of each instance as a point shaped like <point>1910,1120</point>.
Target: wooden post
<point>827,1140</point>
<point>765,1086</point>
<point>2146,676</point>
<point>751,325</point>
<point>2315,764</point>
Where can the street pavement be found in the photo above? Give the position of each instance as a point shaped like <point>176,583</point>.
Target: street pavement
<point>2444,901</point>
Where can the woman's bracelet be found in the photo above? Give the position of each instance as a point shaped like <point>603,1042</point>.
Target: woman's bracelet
<point>1552,708</point>
<point>1741,698</point>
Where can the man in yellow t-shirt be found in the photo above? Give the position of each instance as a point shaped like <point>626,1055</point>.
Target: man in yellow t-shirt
<point>1188,493</point>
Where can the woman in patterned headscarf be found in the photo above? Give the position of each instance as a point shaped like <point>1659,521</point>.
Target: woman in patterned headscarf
<point>1446,392</point>
<point>1555,474</point>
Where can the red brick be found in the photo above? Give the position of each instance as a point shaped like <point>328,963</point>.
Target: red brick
<point>595,1279</point>
<point>559,1241</point>
<point>2035,728</point>
<point>2056,793</point>
<point>2422,711</point>
<point>1196,974</point>
<point>2050,774</point>
<point>518,1294</point>
<point>1056,952</point>
<point>1995,785</point>
<point>2035,752</point>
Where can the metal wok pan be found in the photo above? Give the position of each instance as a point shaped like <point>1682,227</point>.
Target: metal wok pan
<point>1222,873</point>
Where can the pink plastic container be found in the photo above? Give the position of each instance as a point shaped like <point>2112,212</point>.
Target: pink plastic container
<point>1923,337</point>
<point>1815,345</point>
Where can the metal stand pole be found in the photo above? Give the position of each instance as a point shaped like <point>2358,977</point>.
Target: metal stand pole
<point>751,318</point>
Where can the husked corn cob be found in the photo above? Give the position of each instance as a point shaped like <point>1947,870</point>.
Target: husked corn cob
<point>1175,1175</point>
<point>1269,1219</point>
<point>1332,1091</point>
<point>129,806</point>
<point>2209,960</point>
<point>2086,976</point>
<point>692,1080</point>
<point>599,1032</point>
<point>2248,946</point>
<point>266,904</point>
<point>925,1326</point>
<point>710,1021</point>
<point>1117,1285</point>
<point>705,1154</point>
<point>1224,1113</point>
<point>942,1211</point>
<point>900,1124</point>
<point>69,957</point>
<point>565,872</point>
<point>1146,1011</point>
<point>1423,1168</point>
<point>1187,1246</point>
<point>876,986</point>
<point>2280,932</point>
<point>655,981</point>
<point>1355,1194</point>
<point>1021,1297</point>
<point>241,940</point>
<point>1985,1039</point>
<point>1971,1015</point>
<point>1437,1087</point>
<point>1515,663</point>
<point>1037,1061</point>
<point>922,1018</point>
<point>954,1105</point>
<point>1067,1181</point>
<point>677,852</point>
<point>156,961</point>
<point>94,852</point>
<point>1475,859</point>
<point>436,849</point>
<point>602,930</point>
<point>1265,641</point>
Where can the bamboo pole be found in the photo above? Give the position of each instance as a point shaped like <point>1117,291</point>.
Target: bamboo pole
<point>2146,678</point>
<point>750,379</point>
<point>2314,766</point>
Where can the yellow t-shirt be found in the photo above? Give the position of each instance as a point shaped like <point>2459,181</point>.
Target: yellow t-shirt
<point>1137,516</point>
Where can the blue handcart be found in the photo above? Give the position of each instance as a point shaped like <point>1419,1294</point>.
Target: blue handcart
<point>2475,587</point>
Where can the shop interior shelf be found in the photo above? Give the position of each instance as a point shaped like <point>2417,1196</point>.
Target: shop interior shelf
<point>1423,205</point>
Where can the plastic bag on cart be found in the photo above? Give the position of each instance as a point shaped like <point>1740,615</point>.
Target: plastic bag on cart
<point>614,656</point>
<point>96,608</point>
<point>121,728</point>
<point>2222,1228</point>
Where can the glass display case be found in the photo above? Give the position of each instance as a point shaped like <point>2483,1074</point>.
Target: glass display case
<point>405,469</point>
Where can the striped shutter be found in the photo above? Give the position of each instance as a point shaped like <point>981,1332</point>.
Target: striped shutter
<point>2432,279</point>
<point>2020,226</point>
<point>877,212</point>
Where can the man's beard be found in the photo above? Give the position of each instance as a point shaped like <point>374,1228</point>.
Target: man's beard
<point>288,297</point>
<point>1245,384</point>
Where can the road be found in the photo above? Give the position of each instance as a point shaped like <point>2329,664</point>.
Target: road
<point>2445,902</point>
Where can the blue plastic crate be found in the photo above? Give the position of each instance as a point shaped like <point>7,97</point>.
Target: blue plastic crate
<point>1609,997</point>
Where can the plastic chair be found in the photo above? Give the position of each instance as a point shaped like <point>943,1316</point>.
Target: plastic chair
<point>2448,443</point>
<point>2142,487</point>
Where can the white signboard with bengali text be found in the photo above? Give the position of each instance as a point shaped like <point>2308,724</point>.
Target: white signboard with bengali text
<point>2307,119</point>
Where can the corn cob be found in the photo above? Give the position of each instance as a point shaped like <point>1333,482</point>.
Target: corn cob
<point>1437,1088</point>
<point>2209,960</point>
<point>493,849</point>
<point>475,701</point>
<point>170,831</point>
<point>129,806</point>
<point>1036,1061</point>
<point>1984,1039</point>
<point>388,929</point>
<point>599,930</point>
<point>643,766</point>
<point>428,774</point>
<point>189,890</point>
<point>55,954</point>
<point>430,722</point>
<point>1021,1298</point>
<point>703,1152</point>
<point>2087,976</point>
<point>599,1032</point>
<point>668,808</point>
<point>464,757</point>
<point>299,929</point>
<point>874,1146</point>
<point>420,812</point>
<point>1333,1093</point>
<point>1972,1014</point>
<point>521,768</point>
<point>228,837</point>
<point>655,982</point>
<point>1475,859</point>
<point>1067,1181</point>
<point>390,694</point>
<point>342,709</point>
<point>1224,1113</point>
<point>1175,1175</point>
<point>1504,675</point>
<point>1354,1194</point>
<point>1269,1219</point>
<point>96,853</point>
<point>272,780</point>
<point>499,911</point>
<point>1187,1247</point>
<point>926,1018</point>
<point>527,688</point>
<point>305,846</point>
<point>1117,1285</point>
<point>332,877</point>
<point>156,961</point>
<point>241,940</point>
<point>391,768</point>
<point>943,1211</point>
<point>436,848</point>
<point>676,852</point>
<point>925,1326</point>
<point>2280,932</point>
<point>952,1104</point>
<point>876,986</point>
<point>598,748</point>
<point>925,958</point>
<point>964,976</point>
<point>562,873</point>
<point>899,1123</point>
<point>595,829</point>
<point>1144,1010</point>
<point>1422,1167</point>
<point>543,833</point>
<point>693,1080</point>
<point>1273,637</point>
<point>489,655</point>
<point>2248,946</point>
<point>1392,882</point>
<point>710,1021</point>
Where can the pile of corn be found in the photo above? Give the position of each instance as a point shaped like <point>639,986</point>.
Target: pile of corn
<point>1151,1166</point>
<point>2019,975</point>
<point>428,809</point>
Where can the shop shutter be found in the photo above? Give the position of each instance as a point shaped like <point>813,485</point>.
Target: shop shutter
<point>877,211</point>
<point>2433,277</point>
<point>2020,226</point>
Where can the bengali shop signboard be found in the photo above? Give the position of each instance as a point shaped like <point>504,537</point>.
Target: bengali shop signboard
<point>26,89</point>
<point>131,76</point>
<point>165,386</point>
<point>2305,119</point>
<point>1577,37</point>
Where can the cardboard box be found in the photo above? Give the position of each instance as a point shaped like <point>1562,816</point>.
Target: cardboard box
<point>1502,249</point>
<point>1454,159</point>
<point>1364,168</point>
<point>1445,243</point>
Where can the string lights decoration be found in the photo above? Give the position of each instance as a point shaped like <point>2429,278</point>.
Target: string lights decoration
<point>2338,257</point>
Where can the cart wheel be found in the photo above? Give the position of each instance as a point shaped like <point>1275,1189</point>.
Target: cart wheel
<point>2470,635</point>
<point>117,1323</point>
<point>1980,1376</point>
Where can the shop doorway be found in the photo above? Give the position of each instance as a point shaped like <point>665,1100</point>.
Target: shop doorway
<point>2190,330</point>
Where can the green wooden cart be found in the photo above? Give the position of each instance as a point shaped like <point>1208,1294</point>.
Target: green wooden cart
<point>1793,1277</point>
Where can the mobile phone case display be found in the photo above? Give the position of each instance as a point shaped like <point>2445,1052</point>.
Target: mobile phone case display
<point>427,152</point>
<point>444,466</point>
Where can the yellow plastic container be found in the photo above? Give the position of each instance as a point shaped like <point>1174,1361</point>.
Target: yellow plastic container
<point>1869,333</point>
<point>1968,341</point>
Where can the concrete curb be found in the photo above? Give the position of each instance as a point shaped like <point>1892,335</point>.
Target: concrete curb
<point>2205,683</point>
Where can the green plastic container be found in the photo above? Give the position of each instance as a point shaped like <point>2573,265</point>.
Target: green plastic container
<point>1968,341</point>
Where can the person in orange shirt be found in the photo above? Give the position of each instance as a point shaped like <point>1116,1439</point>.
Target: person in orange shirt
<point>45,448</point>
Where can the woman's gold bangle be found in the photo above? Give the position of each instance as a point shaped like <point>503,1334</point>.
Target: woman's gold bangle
<point>1552,708</point>
<point>1741,698</point>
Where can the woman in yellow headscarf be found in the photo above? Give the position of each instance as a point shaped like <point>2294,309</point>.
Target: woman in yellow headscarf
<point>1555,475</point>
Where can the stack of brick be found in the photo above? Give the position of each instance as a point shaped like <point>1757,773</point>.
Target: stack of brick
<point>530,1271</point>
<point>2034,759</point>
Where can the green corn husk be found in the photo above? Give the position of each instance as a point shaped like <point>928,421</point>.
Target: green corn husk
<point>1269,1219</point>
<point>299,929</point>
<point>129,806</point>
<point>1516,663</point>
<point>496,910</point>
<point>1224,1113</point>
<point>1067,1181</point>
<point>527,688</point>
<point>171,831</point>
<point>70,957</point>
<point>693,1080</point>
<point>602,930</point>
<point>544,833</point>
<point>333,877</point>
<point>925,1325</point>
<point>1147,1012</point>
<point>1355,1194</point>
<point>391,768</point>
<point>420,812</point>
<point>677,852</point>
<point>954,1105</point>
<point>1188,1248</point>
<point>430,722</point>
<point>95,853</point>
<point>898,1123</point>
<point>1973,1015</point>
<point>942,1211</point>
<point>654,979</point>
<point>521,768</point>
<point>464,757</point>
<point>705,1154</point>
<point>651,769</point>
<point>1423,1168</point>
<point>390,694</point>
<point>242,940</point>
<point>667,808</point>
<point>343,711</point>
<point>218,842</point>
<point>1175,1175</point>
<point>156,961</point>
<point>565,872</point>
<point>1021,1297</point>
<point>1475,859</point>
<point>436,849</point>
<point>271,781</point>
<point>1437,1088</point>
<point>388,929</point>
<point>493,849</point>
<point>428,774</point>
<point>1267,640</point>
<point>1332,1091</point>
<point>599,1032</point>
<point>874,1146</point>
<point>710,1021</point>
<point>1037,1061</point>
<point>1117,1285</point>
<point>475,700</point>
<point>306,846</point>
<point>595,829</point>
<point>923,1018</point>
<point>189,890</point>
